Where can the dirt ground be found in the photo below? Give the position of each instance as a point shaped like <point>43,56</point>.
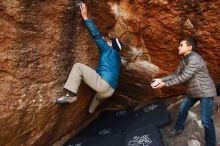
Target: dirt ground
<point>193,134</point>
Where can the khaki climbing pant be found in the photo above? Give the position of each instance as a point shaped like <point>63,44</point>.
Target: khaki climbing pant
<point>92,79</point>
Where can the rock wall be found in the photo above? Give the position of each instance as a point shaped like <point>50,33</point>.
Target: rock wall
<point>40,40</point>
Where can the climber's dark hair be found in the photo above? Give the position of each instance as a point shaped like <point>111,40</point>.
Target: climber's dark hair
<point>191,41</point>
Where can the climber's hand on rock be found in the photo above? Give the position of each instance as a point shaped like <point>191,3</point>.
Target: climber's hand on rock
<point>83,10</point>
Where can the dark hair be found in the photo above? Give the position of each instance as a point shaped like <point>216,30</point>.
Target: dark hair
<point>191,41</point>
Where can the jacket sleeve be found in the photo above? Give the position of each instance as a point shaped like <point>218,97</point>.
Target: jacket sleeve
<point>192,66</point>
<point>172,75</point>
<point>96,35</point>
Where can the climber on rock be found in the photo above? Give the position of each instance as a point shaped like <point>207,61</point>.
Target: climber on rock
<point>105,78</point>
<point>200,87</point>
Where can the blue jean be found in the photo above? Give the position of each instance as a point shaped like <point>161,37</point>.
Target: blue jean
<point>206,116</point>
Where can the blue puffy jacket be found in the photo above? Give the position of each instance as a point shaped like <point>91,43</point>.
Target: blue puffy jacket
<point>109,58</point>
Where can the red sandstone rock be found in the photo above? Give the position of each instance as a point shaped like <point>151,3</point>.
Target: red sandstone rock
<point>41,40</point>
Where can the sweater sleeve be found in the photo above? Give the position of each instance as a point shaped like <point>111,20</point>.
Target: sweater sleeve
<point>96,35</point>
<point>192,66</point>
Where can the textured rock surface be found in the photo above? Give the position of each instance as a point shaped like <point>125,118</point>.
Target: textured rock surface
<point>40,40</point>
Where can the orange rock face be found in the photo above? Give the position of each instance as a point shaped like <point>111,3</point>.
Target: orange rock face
<point>41,40</point>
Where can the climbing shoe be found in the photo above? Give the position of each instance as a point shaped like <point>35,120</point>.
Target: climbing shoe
<point>65,99</point>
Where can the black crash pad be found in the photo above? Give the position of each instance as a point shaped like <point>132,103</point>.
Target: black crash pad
<point>118,127</point>
<point>145,136</point>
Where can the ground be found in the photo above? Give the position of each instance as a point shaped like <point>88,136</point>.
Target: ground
<point>193,134</point>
